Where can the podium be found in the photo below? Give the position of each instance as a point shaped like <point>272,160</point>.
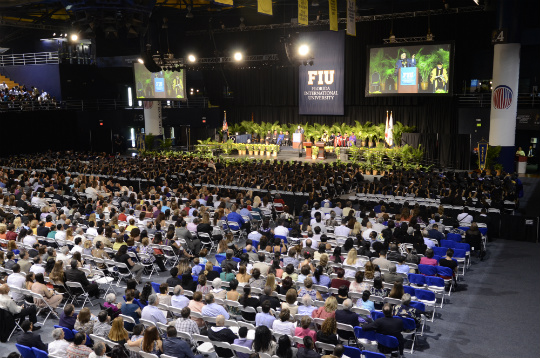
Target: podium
<point>408,80</point>
<point>521,164</point>
<point>308,145</point>
<point>297,139</point>
<point>320,145</point>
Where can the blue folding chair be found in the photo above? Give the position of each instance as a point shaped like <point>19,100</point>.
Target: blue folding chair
<point>26,352</point>
<point>376,315</point>
<point>254,243</point>
<point>420,306</point>
<point>446,273</point>
<point>448,243</point>
<point>236,259</point>
<point>454,237</point>
<point>462,246</point>
<point>428,298</point>
<point>218,269</point>
<point>352,352</point>
<point>68,334</point>
<point>409,290</point>
<point>441,251</point>
<point>409,329</point>
<point>427,270</point>
<point>155,286</point>
<point>137,301</point>
<point>436,284</point>
<point>367,335</point>
<point>369,354</point>
<point>88,340</point>
<point>417,279</point>
<point>220,258</point>
<point>483,230</point>
<point>389,342</point>
<point>281,237</point>
<point>38,353</point>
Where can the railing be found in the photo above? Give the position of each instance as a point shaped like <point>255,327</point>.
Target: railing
<point>525,100</point>
<point>33,58</point>
<point>94,105</point>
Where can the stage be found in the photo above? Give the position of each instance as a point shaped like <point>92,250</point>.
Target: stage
<point>287,153</point>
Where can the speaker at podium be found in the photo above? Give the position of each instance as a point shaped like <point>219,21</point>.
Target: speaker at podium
<point>408,80</point>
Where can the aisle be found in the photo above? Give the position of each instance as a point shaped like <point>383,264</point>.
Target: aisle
<point>497,314</point>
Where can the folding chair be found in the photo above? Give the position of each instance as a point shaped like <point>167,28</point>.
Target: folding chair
<point>88,339</point>
<point>447,274</point>
<point>68,333</point>
<point>454,237</point>
<point>148,264</point>
<point>77,290</point>
<point>155,286</point>
<point>207,347</point>
<point>460,256</point>
<point>223,345</point>
<point>39,299</point>
<point>428,298</point>
<point>368,354</point>
<point>39,353</point>
<point>169,254</point>
<point>352,352</point>
<point>451,244</point>
<point>236,229</point>
<point>240,349</point>
<point>346,333</point>
<point>133,349</point>
<point>206,241</point>
<point>366,337</point>
<point>417,280</point>
<point>130,321</point>
<point>143,354</point>
<point>427,270</point>
<point>440,251</point>
<point>409,330</point>
<point>325,346</point>
<point>147,323</point>
<point>390,342</point>
<point>436,284</point>
<point>26,352</point>
<point>122,275</point>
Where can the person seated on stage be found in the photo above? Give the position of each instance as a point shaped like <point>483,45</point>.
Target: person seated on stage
<point>331,139</point>
<point>337,140</point>
<point>287,139</point>
<point>254,138</point>
<point>268,138</point>
<point>280,138</point>
<point>345,140</point>
<point>324,137</point>
<point>352,140</point>
<point>274,137</point>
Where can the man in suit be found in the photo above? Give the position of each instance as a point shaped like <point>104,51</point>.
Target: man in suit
<point>75,275</point>
<point>346,316</point>
<point>389,326</point>
<point>31,339</point>
<point>391,276</point>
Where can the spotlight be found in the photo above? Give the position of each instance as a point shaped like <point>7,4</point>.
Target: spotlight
<point>192,58</point>
<point>74,37</point>
<point>238,56</point>
<point>65,35</point>
<point>54,34</point>
<point>315,3</point>
<point>140,60</point>
<point>303,50</point>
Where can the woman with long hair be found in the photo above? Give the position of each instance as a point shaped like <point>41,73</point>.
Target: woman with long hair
<point>328,310</point>
<point>264,341</point>
<point>397,291</point>
<point>271,281</point>
<point>358,285</point>
<point>40,286</point>
<point>319,278</point>
<point>196,305</point>
<point>118,333</point>
<point>30,277</point>
<point>369,271</point>
<point>378,290</point>
<point>336,255</point>
<point>146,292</point>
<point>57,276</point>
<point>151,341</point>
<point>209,271</point>
<point>242,276</point>
<point>284,349</point>
<point>352,260</point>
<point>328,331</point>
<point>247,301</point>
<point>84,323</point>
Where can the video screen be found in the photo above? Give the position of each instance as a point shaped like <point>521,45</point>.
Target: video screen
<point>422,69</point>
<point>162,85</point>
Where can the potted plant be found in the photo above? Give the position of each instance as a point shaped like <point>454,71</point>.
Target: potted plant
<point>250,148</point>
<point>268,149</point>
<point>377,66</point>
<point>314,152</point>
<point>275,148</point>
<point>241,148</point>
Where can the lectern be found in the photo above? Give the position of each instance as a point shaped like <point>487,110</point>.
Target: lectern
<point>320,145</point>
<point>297,139</point>
<point>308,145</point>
<point>408,80</point>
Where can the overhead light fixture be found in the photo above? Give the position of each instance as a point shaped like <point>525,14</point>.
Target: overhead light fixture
<point>189,15</point>
<point>303,50</point>
<point>315,3</point>
<point>54,34</point>
<point>141,61</point>
<point>65,35</point>
<point>74,37</point>
<point>192,58</point>
<point>238,56</point>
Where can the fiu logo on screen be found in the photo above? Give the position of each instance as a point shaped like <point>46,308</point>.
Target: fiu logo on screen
<point>322,77</point>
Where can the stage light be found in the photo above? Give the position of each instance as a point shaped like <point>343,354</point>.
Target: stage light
<point>74,37</point>
<point>191,58</point>
<point>315,3</point>
<point>65,35</point>
<point>238,56</point>
<point>54,34</point>
<point>140,60</point>
<point>303,50</point>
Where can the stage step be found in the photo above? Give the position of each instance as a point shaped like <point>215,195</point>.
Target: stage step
<point>8,81</point>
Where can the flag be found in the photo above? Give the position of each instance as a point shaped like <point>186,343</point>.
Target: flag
<point>264,7</point>
<point>389,130</point>
<point>351,17</point>
<point>303,11</point>
<point>225,126</point>
<point>332,9</point>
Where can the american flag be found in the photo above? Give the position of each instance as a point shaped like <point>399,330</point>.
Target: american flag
<point>502,97</point>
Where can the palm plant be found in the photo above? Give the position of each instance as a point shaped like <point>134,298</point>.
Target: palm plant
<point>398,131</point>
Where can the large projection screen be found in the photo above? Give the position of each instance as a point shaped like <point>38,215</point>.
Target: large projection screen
<point>410,70</point>
<point>159,85</point>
